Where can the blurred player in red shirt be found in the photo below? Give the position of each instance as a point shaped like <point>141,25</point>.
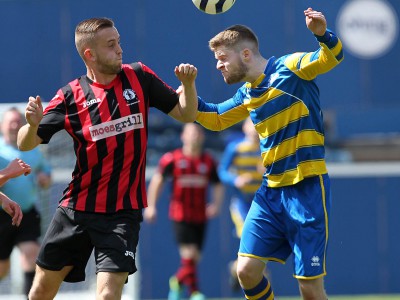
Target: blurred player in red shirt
<point>192,170</point>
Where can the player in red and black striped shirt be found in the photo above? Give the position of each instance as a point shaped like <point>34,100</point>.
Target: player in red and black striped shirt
<point>106,114</point>
<point>192,170</point>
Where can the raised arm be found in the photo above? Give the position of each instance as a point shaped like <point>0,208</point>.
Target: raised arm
<point>186,109</point>
<point>309,65</point>
<point>27,135</point>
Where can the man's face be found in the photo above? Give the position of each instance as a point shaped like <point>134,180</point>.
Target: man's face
<point>12,122</point>
<point>192,135</point>
<point>107,51</point>
<point>230,63</point>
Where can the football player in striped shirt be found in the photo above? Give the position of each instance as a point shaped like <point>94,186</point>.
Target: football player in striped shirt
<point>290,211</point>
<point>106,114</point>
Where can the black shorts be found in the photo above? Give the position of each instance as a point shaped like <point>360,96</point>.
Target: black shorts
<point>72,235</point>
<point>189,233</point>
<point>27,231</point>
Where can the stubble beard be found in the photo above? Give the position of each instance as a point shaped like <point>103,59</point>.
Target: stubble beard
<point>238,75</point>
<point>110,69</point>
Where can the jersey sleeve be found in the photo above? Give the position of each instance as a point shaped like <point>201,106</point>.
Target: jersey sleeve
<point>227,177</point>
<point>308,65</point>
<point>53,118</point>
<point>166,165</point>
<point>214,177</point>
<point>161,95</point>
<point>220,116</point>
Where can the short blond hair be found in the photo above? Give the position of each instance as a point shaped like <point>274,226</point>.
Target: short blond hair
<point>233,37</point>
<point>85,32</point>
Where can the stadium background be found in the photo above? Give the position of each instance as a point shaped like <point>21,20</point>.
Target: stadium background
<point>359,98</point>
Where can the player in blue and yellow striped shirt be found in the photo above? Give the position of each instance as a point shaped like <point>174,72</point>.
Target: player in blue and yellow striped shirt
<point>289,213</point>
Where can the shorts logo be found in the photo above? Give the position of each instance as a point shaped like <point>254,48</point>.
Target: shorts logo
<point>315,261</point>
<point>117,126</point>
<point>130,253</point>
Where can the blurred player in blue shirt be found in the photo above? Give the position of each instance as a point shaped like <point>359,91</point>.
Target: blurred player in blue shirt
<point>241,170</point>
<point>24,191</point>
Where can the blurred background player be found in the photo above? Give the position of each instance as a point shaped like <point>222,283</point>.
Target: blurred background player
<point>241,169</point>
<point>23,190</point>
<point>15,168</point>
<point>192,170</point>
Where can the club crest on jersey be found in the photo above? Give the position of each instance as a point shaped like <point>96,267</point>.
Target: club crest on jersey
<point>202,168</point>
<point>130,96</point>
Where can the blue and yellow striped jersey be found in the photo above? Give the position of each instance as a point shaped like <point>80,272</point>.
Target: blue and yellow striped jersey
<point>242,157</point>
<point>284,106</point>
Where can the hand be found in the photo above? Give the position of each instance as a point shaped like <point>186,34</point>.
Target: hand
<point>12,208</point>
<point>243,179</point>
<point>315,21</point>
<point>186,73</point>
<point>43,180</point>
<point>212,210</point>
<point>34,111</point>
<point>17,167</point>
<point>150,214</point>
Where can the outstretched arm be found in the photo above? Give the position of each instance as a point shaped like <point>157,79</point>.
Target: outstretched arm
<point>14,169</point>
<point>186,109</point>
<point>27,135</point>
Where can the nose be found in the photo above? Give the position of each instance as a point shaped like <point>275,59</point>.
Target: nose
<point>119,49</point>
<point>220,65</point>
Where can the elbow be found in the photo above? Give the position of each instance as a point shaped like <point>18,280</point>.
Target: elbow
<point>189,118</point>
<point>23,148</point>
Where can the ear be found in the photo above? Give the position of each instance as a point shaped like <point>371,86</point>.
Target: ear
<point>246,54</point>
<point>89,55</point>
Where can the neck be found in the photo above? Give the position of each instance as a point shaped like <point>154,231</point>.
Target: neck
<point>256,69</point>
<point>191,151</point>
<point>100,78</point>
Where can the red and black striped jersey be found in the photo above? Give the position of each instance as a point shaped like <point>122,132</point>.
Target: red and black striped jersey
<point>191,177</point>
<point>108,125</point>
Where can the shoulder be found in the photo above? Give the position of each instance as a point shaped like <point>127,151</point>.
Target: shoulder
<point>169,156</point>
<point>138,67</point>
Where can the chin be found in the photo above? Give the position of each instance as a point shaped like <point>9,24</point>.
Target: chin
<point>229,81</point>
